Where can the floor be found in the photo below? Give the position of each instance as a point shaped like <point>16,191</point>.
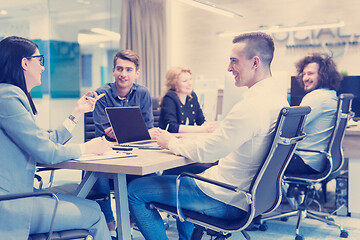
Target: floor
<point>277,229</point>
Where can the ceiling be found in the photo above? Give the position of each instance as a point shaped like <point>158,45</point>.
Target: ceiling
<point>70,15</point>
<point>86,14</point>
<point>261,13</point>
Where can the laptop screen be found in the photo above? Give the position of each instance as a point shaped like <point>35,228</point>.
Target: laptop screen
<point>127,123</point>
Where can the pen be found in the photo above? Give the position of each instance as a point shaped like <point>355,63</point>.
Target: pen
<point>127,153</point>
<point>167,127</point>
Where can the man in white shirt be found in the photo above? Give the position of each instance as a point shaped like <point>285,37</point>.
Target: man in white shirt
<point>239,143</point>
<point>318,76</point>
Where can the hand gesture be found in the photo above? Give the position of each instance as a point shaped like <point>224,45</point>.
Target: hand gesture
<point>86,103</point>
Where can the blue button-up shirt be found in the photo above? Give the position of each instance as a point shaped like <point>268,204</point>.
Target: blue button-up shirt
<point>138,96</point>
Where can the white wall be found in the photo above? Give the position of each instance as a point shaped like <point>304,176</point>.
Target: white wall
<point>193,41</point>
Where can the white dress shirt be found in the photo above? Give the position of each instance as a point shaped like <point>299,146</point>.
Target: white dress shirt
<point>239,143</point>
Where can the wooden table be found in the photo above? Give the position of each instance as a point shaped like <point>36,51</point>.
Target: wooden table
<point>147,161</point>
<point>351,146</point>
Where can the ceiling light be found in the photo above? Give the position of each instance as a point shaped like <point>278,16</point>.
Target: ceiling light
<point>97,35</point>
<point>206,5</point>
<point>106,33</point>
<point>308,27</point>
<point>84,2</point>
<point>278,29</point>
<point>3,12</point>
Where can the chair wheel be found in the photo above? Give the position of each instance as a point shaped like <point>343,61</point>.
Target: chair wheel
<point>263,227</point>
<point>299,237</point>
<point>331,219</point>
<point>344,234</point>
<point>284,219</point>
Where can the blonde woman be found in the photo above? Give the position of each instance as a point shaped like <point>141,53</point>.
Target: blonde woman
<point>181,113</point>
<point>180,108</point>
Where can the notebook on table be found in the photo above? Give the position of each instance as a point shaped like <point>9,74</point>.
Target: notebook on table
<point>129,127</point>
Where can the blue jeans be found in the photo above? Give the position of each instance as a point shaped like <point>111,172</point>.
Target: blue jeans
<point>162,189</point>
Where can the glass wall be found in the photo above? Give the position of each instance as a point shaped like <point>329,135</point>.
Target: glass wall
<point>78,39</point>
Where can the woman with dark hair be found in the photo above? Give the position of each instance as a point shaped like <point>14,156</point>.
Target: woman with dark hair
<point>23,144</point>
<point>318,75</point>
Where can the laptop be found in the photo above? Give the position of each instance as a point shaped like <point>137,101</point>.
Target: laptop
<point>129,127</point>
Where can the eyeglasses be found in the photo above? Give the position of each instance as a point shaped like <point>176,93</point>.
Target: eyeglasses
<point>38,56</point>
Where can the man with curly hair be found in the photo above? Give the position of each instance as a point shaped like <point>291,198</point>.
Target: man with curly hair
<point>318,75</point>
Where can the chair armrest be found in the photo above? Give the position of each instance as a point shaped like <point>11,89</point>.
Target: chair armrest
<point>201,178</point>
<point>41,169</point>
<point>290,141</point>
<point>14,196</point>
<point>310,150</point>
<point>39,178</point>
<point>328,155</point>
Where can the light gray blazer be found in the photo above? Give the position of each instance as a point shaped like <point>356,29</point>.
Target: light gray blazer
<point>22,145</point>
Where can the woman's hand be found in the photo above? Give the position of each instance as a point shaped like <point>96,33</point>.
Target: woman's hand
<point>97,145</point>
<point>86,103</point>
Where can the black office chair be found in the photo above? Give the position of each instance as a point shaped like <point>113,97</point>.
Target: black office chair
<point>302,187</point>
<point>156,110</point>
<point>335,150</point>
<point>89,126</point>
<point>76,234</point>
<point>264,194</point>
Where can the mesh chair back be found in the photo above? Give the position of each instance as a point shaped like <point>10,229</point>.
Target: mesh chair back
<point>89,126</point>
<point>266,185</point>
<point>335,145</point>
<point>156,111</point>
<point>265,189</point>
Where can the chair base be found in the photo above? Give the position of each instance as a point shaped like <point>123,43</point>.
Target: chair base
<point>301,215</point>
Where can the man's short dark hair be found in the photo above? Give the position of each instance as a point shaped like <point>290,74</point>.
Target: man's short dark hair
<point>329,77</point>
<point>128,55</point>
<point>258,44</point>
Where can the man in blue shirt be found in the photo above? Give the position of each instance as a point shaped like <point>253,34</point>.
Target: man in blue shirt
<point>121,93</point>
<point>124,93</point>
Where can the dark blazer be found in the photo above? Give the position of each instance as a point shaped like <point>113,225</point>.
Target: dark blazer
<point>174,113</point>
